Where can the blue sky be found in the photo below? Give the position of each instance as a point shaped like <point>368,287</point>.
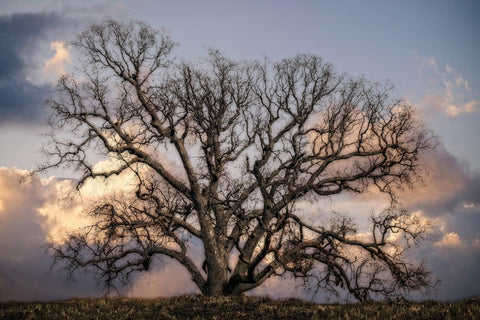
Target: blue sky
<point>427,49</point>
<point>376,39</point>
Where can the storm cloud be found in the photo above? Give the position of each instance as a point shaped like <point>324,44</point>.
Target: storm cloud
<point>37,211</point>
<point>20,99</point>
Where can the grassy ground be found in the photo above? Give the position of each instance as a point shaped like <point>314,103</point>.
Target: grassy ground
<point>197,307</point>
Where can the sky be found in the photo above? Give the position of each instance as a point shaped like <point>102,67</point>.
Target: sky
<point>427,49</point>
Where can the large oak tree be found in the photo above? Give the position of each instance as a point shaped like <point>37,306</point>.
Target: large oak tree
<point>250,142</point>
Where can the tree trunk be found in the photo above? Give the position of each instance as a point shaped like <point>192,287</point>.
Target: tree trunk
<point>217,279</point>
<point>217,270</point>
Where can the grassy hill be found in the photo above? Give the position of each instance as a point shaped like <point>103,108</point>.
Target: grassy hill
<point>198,307</point>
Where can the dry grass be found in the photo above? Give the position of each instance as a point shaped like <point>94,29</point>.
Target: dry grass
<point>198,307</point>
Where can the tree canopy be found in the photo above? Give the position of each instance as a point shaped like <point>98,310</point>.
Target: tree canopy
<point>223,153</point>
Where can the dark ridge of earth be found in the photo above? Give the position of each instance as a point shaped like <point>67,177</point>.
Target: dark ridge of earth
<point>231,308</point>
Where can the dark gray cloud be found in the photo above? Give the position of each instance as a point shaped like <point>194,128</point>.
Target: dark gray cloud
<point>20,100</point>
<point>457,269</point>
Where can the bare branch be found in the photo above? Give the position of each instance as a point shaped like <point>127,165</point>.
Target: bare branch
<point>249,141</point>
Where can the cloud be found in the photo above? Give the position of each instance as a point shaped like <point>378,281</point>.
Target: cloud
<point>20,100</point>
<point>56,66</point>
<point>457,89</point>
<point>36,211</point>
<point>456,263</point>
<point>447,90</point>
<point>450,197</point>
<point>451,239</point>
<point>28,71</point>
<point>446,185</point>
<point>170,279</point>
<point>32,212</point>
<point>23,234</point>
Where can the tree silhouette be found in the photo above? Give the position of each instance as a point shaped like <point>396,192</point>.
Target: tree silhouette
<point>249,142</point>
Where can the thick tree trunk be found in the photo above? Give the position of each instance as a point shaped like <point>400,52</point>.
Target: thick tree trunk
<point>215,287</point>
<point>216,268</point>
<point>217,278</point>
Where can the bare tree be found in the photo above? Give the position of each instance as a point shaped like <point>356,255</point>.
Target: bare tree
<point>252,141</point>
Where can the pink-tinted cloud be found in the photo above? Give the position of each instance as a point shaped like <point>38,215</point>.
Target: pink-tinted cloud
<point>446,89</point>
<point>446,184</point>
<point>451,239</point>
<point>55,66</point>
<point>170,279</point>
<point>23,235</point>
<point>33,211</point>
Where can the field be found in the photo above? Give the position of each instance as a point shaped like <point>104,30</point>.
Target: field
<point>197,307</point>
